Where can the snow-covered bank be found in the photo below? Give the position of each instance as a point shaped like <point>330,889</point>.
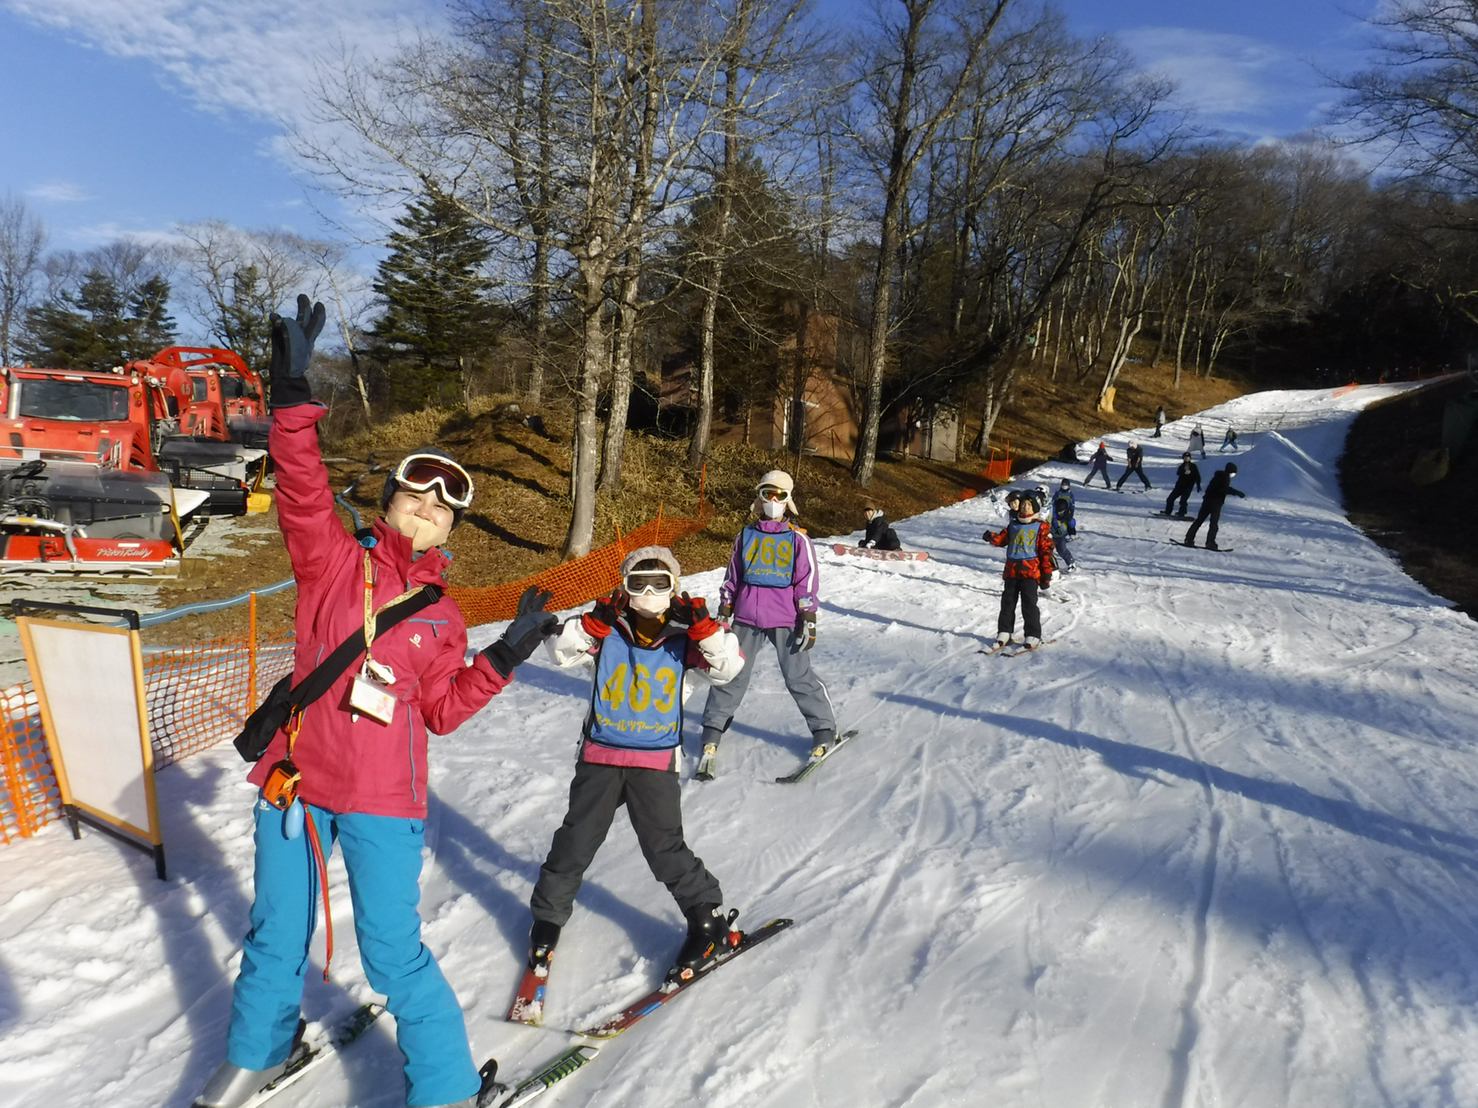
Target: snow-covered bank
<point>1218,844</point>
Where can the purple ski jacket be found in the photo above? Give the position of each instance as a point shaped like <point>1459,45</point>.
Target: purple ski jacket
<point>770,605</point>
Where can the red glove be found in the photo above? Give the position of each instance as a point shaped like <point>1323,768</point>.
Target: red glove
<point>599,620</point>
<point>694,612</point>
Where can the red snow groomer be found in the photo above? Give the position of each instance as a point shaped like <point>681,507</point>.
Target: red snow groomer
<point>96,474</point>
<point>227,400</point>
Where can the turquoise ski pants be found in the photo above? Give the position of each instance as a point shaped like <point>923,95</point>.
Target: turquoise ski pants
<point>382,855</point>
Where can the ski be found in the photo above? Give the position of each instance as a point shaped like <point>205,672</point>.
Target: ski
<point>556,1071</point>
<point>640,1009</point>
<point>816,759</point>
<point>581,1054</point>
<point>315,1048</point>
<point>989,650</point>
<point>1028,649</point>
<point>528,1002</point>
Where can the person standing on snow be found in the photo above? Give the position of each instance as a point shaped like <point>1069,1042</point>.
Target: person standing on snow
<point>1229,440</point>
<point>1198,442</point>
<point>1186,475</point>
<point>879,535</point>
<point>1062,521</point>
<point>362,776</point>
<point>1064,508</point>
<point>1028,543</point>
<point>1159,420</point>
<point>1217,490</point>
<point>770,593</point>
<point>1099,464</point>
<point>643,638</point>
<point>1135,465</point>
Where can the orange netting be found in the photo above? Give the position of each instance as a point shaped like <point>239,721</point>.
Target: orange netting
<point>198,695</point>
<point>573,583</point>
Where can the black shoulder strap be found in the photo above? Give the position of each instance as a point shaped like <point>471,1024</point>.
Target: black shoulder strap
<point>332,668</point>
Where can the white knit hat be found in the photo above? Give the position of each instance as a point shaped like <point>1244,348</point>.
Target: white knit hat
<point>650,553</point>
<point>776,479</point>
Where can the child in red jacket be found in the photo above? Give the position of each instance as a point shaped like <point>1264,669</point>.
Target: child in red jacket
<point>1028,543</point>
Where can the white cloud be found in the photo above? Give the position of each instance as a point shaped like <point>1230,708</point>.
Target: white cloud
<point>1232,81</point>
<point>58,192</point>
<point>255,56</point>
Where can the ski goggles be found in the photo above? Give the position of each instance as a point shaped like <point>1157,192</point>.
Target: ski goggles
<point>769,493</point>
<point>423,472</point>
<point>649,580</point>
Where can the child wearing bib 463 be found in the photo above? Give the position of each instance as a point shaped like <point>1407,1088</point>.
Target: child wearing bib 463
<point>643,638</point>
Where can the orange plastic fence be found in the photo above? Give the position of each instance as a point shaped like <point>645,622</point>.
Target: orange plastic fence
<point>200,694</point>
<point>576,582</point>
<point>999,469</point>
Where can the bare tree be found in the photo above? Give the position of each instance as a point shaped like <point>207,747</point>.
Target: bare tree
<point>236,278</point>
<point>22,239</point>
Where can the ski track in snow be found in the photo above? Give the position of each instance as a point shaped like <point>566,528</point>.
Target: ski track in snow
<point>1216,845</point>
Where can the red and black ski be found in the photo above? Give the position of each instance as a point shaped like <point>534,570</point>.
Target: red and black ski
<point>528,1003</point>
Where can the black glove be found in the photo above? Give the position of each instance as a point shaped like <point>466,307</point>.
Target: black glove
<point>601,618</point>
<point>528,629</point>
<point>725,612</point>
<point>292,350</point>
<point>694,612</point>
<point>805,631</point>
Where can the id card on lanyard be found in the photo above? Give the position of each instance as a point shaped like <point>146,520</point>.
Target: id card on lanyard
<point>370,694</point>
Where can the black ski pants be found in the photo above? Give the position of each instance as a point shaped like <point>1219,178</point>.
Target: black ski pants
<point>1098,467</point>
<point>652,800</point>
<point>1031,615</point>
<point>1182,492</point>
<point>1210,513</point>
<point>1138,470</point>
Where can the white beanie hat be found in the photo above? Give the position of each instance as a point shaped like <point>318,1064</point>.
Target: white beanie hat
<point>775,479</point>
<point>650,554</point>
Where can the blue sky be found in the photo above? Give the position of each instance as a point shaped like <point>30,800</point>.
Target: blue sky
<point>129,116</point>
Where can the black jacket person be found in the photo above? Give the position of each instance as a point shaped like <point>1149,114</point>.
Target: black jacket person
<point>1186,475</point>
<point>1217,490</point>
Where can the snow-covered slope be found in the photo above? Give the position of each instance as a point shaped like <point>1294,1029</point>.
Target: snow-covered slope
<point>1216,845</point>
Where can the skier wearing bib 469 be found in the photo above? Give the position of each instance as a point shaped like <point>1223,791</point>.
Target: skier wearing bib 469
<point>643,638</point>
<point>770,593</point>
<point>1028,543</point>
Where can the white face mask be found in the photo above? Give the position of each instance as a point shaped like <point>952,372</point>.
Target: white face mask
<point>650,603</point>
<point>772,509</point>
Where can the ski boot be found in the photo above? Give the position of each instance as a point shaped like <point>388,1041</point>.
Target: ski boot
<point>231,1086</point>
<point>542,937</point>
<point>821,742</point>
<point>710,930</point>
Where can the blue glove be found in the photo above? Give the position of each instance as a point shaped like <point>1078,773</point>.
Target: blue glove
<point>529,628</point>
<point>292,350</point>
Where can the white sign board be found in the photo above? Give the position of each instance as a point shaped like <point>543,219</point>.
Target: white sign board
<point>89,682</point>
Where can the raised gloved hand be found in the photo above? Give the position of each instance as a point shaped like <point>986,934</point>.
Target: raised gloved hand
<point>292,350</point>
<point>694,612</point>
<point>529,628</point>
<point>600,619</point>
<point>804,636</point>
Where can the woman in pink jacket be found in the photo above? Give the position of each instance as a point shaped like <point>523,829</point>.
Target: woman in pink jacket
<point>363,783</point>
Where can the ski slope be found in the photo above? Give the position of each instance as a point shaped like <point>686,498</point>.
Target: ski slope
<point>1216,845</point>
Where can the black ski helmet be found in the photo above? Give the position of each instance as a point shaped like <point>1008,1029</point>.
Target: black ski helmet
<point>390,486</point>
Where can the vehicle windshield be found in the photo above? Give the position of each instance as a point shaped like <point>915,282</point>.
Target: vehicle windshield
<point>82,401</point>
<point>199,389</point>
<point>233,388</point>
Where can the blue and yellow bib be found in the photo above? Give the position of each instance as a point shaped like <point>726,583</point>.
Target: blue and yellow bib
<point>637,702</point>
<point>1021,542</point>
<point>769,559</point>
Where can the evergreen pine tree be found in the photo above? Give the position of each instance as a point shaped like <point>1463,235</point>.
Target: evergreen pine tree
<point>438,314</point>
<point>99,326</point>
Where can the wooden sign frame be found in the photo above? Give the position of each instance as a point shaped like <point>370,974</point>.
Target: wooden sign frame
<point>111,784</point>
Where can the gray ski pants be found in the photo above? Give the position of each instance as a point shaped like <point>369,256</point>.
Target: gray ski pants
<point>795,667</point>
<point>652,799</point>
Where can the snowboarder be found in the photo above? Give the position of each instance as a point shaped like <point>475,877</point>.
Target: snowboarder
<point>350,768</point>
<point>643,638</point>
<point>1186,475</point>
<point>770,593</point>
<point>1135,465</point>
<point>1159,420</point>
<point>1198,441</point>
<point>1217,490</point>
<point>1229,440</point>
<point>1099,464</point>
<point>1028,543</point>
<point>879,535</point>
